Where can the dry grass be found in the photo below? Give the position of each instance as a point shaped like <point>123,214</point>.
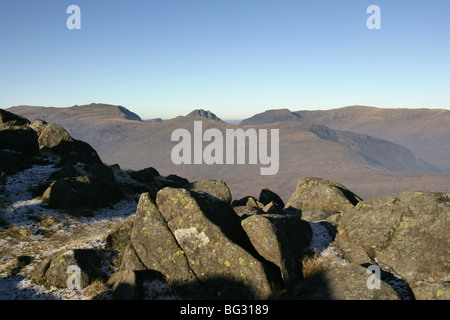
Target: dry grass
<point>96,290</point>
<point>15,232</point>
<point>315,264</point>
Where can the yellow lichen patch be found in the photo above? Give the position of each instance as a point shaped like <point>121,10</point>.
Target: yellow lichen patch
<point>176,256</point>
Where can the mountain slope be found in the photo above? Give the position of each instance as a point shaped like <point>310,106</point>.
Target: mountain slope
<point>271,116</point>
<point>369,165</point>
<point>426,132</point>
<point>85,112</point>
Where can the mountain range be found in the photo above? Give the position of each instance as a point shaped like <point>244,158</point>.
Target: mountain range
<point>426,132</point>
<point>373,151</point>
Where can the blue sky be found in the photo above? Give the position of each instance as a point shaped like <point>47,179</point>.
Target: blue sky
<point>235,57</point>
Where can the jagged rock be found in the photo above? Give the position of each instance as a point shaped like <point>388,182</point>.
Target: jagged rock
<point>217,188</point>
<point>38,126</point>
<point>266,196</point>
<point>215,245</point>
<point>245,206</point>
<point>53,270</point>
<point>19,138</point>
<point>316,193</point>
<point>280,239</point>
<point>346,282</point>
<point>407,232</point>
<point>242,202</point>
<point>272,208</point>
<point>245,211</point>
<point>157,247</point>
<point>52,135</point>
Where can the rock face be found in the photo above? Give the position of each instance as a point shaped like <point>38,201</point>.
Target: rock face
<point>315,193</point>
<point>156,246</point>
<point>280,239</point>
<point>435,291</point>
<point>407,232</point>
<point>216,247</point>
<point>196,242</point>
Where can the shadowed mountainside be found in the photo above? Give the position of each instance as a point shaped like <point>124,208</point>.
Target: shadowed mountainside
<point>424,131</point>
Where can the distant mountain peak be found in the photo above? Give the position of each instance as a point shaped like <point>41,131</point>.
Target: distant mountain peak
<point>106,110</point>
<point>200,113</point>
<point>272,116</point>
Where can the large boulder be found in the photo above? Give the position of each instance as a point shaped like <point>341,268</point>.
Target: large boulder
<point>52,135</point>
<point>10,119</point>
<point>406,232</point>
<point>282,240</point>
<point>215,245</point>
<point>56,268</point>
<point>20,139</point>
<point>316,193</point>
<point>146,175</point>
<point>217,188</point>
<point>157,248</point>
<point>55,139</point>
<point>95,189</point>
<point>38,126</point>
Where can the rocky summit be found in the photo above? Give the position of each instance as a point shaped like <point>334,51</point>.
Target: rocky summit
<point>72,227</point>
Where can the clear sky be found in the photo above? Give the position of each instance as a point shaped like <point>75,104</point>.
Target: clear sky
<point>163,58</point>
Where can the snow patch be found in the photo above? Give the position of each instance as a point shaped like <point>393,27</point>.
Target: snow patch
<point>322,244</point>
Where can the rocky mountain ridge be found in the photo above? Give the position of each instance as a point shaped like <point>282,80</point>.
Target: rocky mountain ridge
<point>193,240</point>
<point>423,131</point>
<point>371,166</point>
